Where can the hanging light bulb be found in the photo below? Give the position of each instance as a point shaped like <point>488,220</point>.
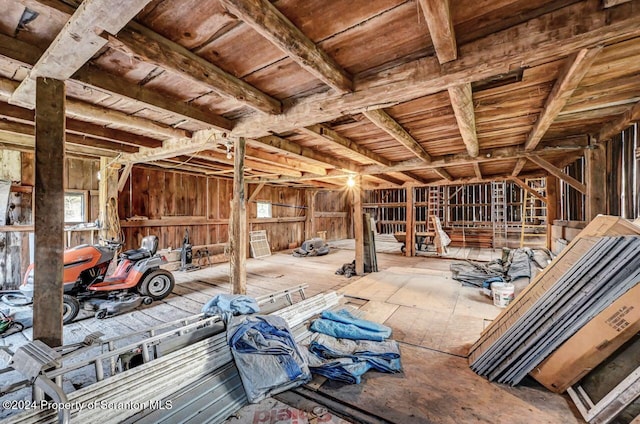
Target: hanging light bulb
<point>351,182</point>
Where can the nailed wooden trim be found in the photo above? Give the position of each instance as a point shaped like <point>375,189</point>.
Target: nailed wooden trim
<point>327,134</point>
<point>528,188</point>
<point>269,22</point>
<point>619,124</point>
<point>140,42</point>
<point>389,125</point>
<point>518,168</point>
<point>575,69</point>
<point>557,172</point>
<point>438,17</point>
<point>462,103</point>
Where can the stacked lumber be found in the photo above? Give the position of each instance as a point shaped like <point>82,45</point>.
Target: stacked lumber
<point>596,269</point>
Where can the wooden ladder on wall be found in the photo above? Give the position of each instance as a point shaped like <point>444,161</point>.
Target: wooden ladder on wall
<point>534,211</point>
<point>499,213</point>
<point>434,207</point>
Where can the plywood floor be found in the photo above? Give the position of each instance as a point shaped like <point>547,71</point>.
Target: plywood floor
<point>434,318</point>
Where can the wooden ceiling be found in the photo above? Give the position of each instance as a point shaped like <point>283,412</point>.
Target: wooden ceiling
<point>403,92</point>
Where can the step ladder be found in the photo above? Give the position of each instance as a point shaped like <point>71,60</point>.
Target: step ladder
<point>499,213</point>
<point>434,207</point>
<point>533,230</point>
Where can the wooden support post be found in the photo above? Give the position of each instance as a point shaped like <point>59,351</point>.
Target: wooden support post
<point>596,182</point>
<point>358,225</point>
<point>310,222</point>
<point>108,199</point>
<point>553,184</point>
<point>410,224</point>
<point>238,239</point>
<point>49,203</point>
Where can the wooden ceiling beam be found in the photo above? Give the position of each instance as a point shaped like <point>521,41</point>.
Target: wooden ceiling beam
<point>92,113</point>
<point>574,70</point>
<point>527,188</point>
<point>325,133</point>
<point>438,17</point>
<point>388,179</point>
<point>619,124</point>
<point>610,3</point>
<point>443,174</point>
<point>200,140</point>
<point>389,125</point>
<point>94,78</point>
<point>25,143</point>
<point>284,161</point>
<point>221,157</point>
<point>462,103</point>
<point>268,21</point>
<point>557,172</point>
<point>415,177</point>
<point>477,170</point>
<point>480,59</point>
<point>148,46</point>
<point>288,147</point>
<point>518,168</point>
<point>77,42</point>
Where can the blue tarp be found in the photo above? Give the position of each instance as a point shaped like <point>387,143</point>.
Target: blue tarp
<point>267,357</point>
<point>343,325</point>
<point>346,360</point>
<point>227,305</point>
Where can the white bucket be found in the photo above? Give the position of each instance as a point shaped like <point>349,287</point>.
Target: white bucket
<point>503,294</point>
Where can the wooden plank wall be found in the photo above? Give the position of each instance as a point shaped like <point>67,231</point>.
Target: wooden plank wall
<point>333,214</point>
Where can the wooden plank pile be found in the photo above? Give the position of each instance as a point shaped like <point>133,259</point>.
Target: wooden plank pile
<point>592,273</point>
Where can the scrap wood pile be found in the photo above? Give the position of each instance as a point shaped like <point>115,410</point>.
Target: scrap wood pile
<point>576,313</point>
<point>514,264</point>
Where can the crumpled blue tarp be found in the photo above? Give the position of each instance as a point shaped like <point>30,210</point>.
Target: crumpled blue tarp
<point>227,305</point>
<point>343,325</point>
<point>346,360</point>
<point>267,357</point>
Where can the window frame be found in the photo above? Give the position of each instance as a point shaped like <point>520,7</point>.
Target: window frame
<point>85,205</point>
<point>270,209</point>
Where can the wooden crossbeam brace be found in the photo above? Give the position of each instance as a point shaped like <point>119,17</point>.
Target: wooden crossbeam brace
<point>619,124</point>
<point>124,176</point>
<point>557,172</point>
<point>389,125</point>
<point>518,168</point>
<point>477,170</point>
<point>527,188</point>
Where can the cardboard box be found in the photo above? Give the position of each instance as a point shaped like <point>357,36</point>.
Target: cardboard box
<point>592,344</point>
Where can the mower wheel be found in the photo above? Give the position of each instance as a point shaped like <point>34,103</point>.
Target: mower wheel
<point>158,284</point>
<point>70,308</point>
<point>101,314</point>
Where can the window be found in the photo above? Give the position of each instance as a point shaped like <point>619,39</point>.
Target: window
<point>75,209</point>
<point>264,209</point>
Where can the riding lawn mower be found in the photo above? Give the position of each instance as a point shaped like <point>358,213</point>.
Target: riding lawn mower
<point>138,279</point>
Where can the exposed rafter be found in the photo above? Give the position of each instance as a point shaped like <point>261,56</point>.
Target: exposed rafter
<point>221,157</point>
<point>389,125</point>
<point>462,104</point>
<point>557,172</point>
<point>144,44</point>
<point>327,134</point>
<point>201,140</point>
<point>284,161</point>
<point>477,170</point>
<point>482,60</point>
<point>78,41</point>
<point>575,69</point>
<point>620,124</point>
<point>518,168</point>
<point>438,17</point>
<point>267,20</point>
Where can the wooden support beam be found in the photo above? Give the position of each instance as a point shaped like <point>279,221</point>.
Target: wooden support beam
<point>268,21</point>
<point>108,198</point>
<point>610,3</point>
<point>255,192</point>
<point>483,58</point>
<point>287,147</point>
<point>286,162</point>
<point>575,69</point>
<point>552,206</point>
<point>124,176</point>
<point>556,172</point>
<point>310,217</point>
<point>358,224</point>
<point>528,188</point>
<point>410,224</point>
<point>220,157</point>
<point>443,174</point>
<point>238,239</point>
<point>49,211</point>
<point>619,124</point>
<point>387,178</point>
<point>78,41</point>
<point>415,177</point>
<point>201,140</point>
<point>596,176</point>
<point>518,168</point>
<point>438,17</point>
<point>325,133</point>
<point>389,125</point>
<point>462,103</point>
<point>93,78</point>
<point>477,170</point>
<point>148,46</point>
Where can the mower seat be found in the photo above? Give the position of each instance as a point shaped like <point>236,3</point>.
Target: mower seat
<point>148,248</point>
